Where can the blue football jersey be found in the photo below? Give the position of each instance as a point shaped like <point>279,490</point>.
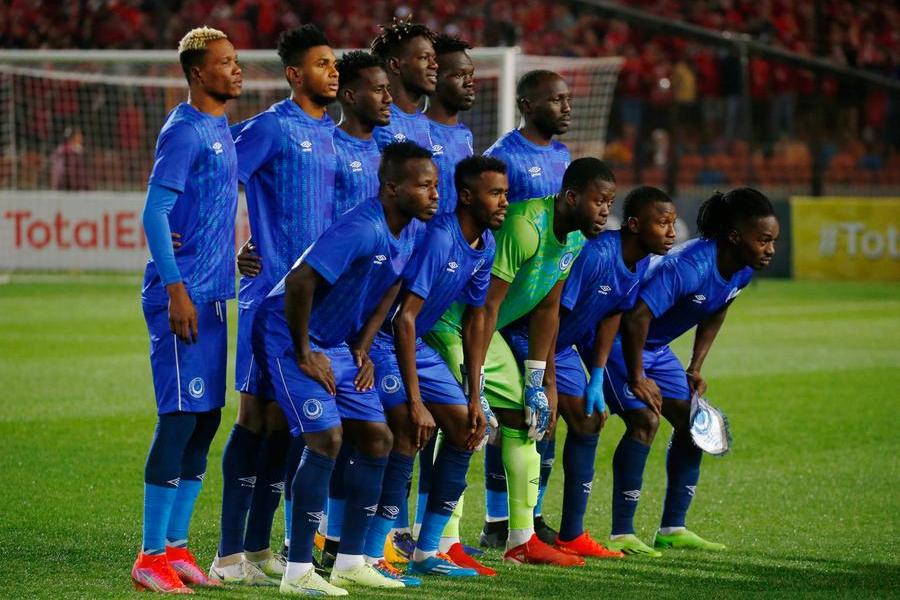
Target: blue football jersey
<point>450,144</point>
<point>195,157</point>
<point>599,284</point>
<point>359,259</point>
<point>444,269</point>
<point>357,171</point>
<point>684,287</point>
<point>534,171</point>
<point>286,161</point>
<point>404,127</point>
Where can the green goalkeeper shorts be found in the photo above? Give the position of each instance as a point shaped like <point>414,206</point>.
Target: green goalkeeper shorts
<point>503,381</point>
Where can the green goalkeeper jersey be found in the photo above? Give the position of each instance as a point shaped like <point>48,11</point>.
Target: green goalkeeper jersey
<point>528,257</point>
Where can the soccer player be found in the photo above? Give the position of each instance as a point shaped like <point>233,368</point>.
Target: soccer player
<point>286,161</point>
<point>604,282</point>
<point>693,286</point>
<point>324,388</point>
<point>535,159</point>
<point>408,55</point>
<point>535,249</point>
<point>454,262</point>
<point>192,190</point>
<point>365,97</point>
<point>454,93</point>
<point>536,164</point>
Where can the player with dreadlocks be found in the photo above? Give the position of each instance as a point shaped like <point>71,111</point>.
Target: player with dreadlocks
<point>407,50</point>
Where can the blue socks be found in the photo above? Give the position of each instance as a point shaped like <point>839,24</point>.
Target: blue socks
<point>578,465</point>
<point>426,467</point>
<point>309,490</point>
<point>547,451</point>
<point>239,479</point>
<point>683,470</point>
<point>495,498</point>
<point>337,494</point>
<point>193,470</point>
<point>158,501</point>
<point>628,475</point>
<point>182,509</point>
<point>447,485</point>
<point>268,490</point>
<point>363,482</point>
<point>290,469</point>
<point>396,478</point>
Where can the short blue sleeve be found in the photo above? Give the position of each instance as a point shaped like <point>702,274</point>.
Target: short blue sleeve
<point>428,262</point>
<point>176,150</point>
<point>256,143</point>
<point>341,244</point>
<point>672,280</point>
<point>476,291</point>
<point>583,270</point>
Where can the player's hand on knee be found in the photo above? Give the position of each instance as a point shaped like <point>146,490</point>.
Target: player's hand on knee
<point>182,313</point>
<point>422,422</point>
<point>647,391</point>
<point>317,366</point>
<point>477,427</point>
<point>249,263</point>
<point>365,370</point>
<point>594,400</point>
<point>696,383</point>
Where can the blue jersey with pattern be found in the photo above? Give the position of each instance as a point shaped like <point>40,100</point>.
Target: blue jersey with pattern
<point>359,259</point>
<point>357,170</point>
<point>600,284</point>
<point>534,171</point>
<point>195,157</point>
<point>444,269</point>
<point>286,161</point>
<point>685,287</point>
<point>450,144</point>
<point>404,127</point>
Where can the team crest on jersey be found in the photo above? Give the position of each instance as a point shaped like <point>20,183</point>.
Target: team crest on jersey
<point>437,149</point>
<point>452,266</point>
<point>379,259</point>
<point>400,136</point>
<point>604,289</point>
<point>313,409</point>
<point>356,166</point>
<point>478,265</point>
<point>535,171</point>
<point>217,148</point>
<point>390,384</point>
<point>196,387</point>
<point>698,299</point>
<point>732,294</point>
<point>565,261</point>
<point>306,145</point>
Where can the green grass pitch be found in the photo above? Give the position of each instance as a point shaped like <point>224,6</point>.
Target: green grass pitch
<point>808,502</point>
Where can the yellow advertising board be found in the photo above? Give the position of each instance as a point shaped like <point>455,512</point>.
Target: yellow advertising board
<point>846,238</point>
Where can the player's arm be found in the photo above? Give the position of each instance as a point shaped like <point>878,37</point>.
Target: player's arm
<point>604,336</point>
<point>496,294</point>
<point>704,337</point>
<point>635,325</point>
<point>473,334</point>
<point>299,290</point>
<point>365,370</point>
<point>404,325</point>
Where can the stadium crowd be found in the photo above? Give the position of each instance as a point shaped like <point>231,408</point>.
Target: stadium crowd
<point>673,95</point>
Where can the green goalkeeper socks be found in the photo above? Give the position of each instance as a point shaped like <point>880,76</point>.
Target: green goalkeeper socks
<point>523,472</point>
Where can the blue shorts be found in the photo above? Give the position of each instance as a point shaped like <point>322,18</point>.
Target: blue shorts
<point>305,403</point>
<point>188,377</point>
<point>246,369</point>
<point>437,384</point>
<point>661,365</point>
<point>571,380</point>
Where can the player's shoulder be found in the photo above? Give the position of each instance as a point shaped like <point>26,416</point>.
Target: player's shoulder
<point>265,123</point>
<point>181,126</point>
<point>503,145</point>
<point>559,147</point>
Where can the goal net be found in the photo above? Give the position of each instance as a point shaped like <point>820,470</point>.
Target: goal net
<point>78,128</point>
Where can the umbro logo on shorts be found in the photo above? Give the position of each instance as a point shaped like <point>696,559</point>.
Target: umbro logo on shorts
<point>632,495</point>
<point>248,482</point>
